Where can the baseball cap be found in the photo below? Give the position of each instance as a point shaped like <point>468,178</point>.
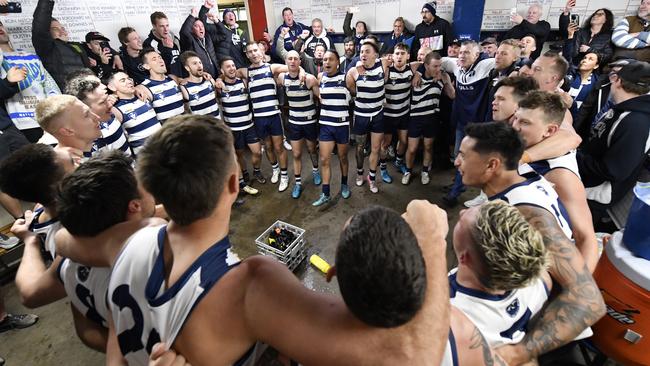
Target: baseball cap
<point>95,36</point>
<point>455,42</point>
<point>489,40</point>
<point>636,72</point>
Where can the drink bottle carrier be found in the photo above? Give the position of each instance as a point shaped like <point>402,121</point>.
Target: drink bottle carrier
<point>293,255</point>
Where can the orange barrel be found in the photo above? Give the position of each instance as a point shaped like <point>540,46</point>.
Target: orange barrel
<point>623,334</point>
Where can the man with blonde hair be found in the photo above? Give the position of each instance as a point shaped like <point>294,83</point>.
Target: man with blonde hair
<point>501,279</point>
<point>70,121</point>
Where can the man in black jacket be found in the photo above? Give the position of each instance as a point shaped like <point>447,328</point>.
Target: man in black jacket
<point>130,54</point>
<point>434,32</point>
<point>103,58</point>
<point>531,25</point>
<point>611,161</point>
<point>194,38</point>
<point>229,40</point>
<point>50,40</point>
<point>164,42</point>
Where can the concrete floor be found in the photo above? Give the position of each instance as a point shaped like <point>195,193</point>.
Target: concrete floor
<point>52,341</point>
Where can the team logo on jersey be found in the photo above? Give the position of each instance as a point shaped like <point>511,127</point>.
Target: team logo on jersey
<point>513,308</point>
<point>82,273</point>
<point>133,115</point>
<point>160,96</point>
<point>195,96</point>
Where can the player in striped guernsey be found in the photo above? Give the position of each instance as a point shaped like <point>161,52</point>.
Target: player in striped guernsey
<point>260,77</point>
<point>238,117</point>
<point>93,93</point>
<point>398,105</point>
<point>425,109</point>
<point>159,89</point>
<point>199,91</point>
<point>137,117</point>
<point>367,82</point>
<point>539,117</point>
<point>334,124</point>
<point>302,117</point>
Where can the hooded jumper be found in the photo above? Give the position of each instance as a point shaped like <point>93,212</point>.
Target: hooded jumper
<point>313,40</point>
<point>611,161</point>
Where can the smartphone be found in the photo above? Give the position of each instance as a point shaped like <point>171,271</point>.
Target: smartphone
<point>104,45</point>
<point>11,7</point>
<point>575,19</point>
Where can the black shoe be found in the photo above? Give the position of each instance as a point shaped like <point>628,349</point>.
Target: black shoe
<point>450,201</point>
<point>17,321</point>
<point>259,177</point>
<point>246,177</point>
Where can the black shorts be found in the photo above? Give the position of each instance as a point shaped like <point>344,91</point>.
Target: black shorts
<point>244,137</point>
<point>392,124</point>
<point>423,126</point>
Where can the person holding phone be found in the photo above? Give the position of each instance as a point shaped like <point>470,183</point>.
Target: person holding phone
<point>103,59</point>
<point>593,36</point>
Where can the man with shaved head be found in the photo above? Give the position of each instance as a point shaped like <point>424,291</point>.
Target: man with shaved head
<point>530,25</point>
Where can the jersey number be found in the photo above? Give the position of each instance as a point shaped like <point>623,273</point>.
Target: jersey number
<point>86,297</point>
<point>130,340</point>
<point>518,326</point>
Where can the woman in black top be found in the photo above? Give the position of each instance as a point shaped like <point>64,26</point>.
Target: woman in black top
<point>593,37</point>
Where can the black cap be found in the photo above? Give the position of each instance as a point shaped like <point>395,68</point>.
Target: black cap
<point>636,72</point>
<point>95,36</point>
<point>456,42</point>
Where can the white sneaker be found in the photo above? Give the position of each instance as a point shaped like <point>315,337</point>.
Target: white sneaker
<point>284,183</point>
<point>359,180</point>
<point>287,145</point>
<point>406,178</point>
<point>424,178</point>
<point>476,201</point>
<point>250,190</point>
<point>275,176</point>
<point>372,185</point>
<point>8,242</point>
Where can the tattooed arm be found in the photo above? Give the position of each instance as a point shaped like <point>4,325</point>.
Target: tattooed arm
<point>576,307</point>
<point>471,346</point>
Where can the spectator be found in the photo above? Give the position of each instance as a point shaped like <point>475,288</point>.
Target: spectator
<point>597,103</point>
<point>489,46</point>
<point>318,36</point>
<point>594,36</point>
<point>360,31</point>
<point>229,40</point>
<point>37,85</point>
<point>103,59</point>
<point>453,48</point>
<point>632,35</point>
<point>50,40</point>
<point>349,49</point>
<point>611,160</point>
<point>195,39</point>
<point>434,32</point>
<point>130,54</point>
<point>528,45</point>
<point>422,53</point>
<point>265,50</point>
<point>583,78</point>
<point>531,25</point>
<point>295,29</point>
<point>400,35</point>
<point>165,43</point>
<point>312,65</point>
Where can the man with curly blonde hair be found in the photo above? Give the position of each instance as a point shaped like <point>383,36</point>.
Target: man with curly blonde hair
<point>501,279</point>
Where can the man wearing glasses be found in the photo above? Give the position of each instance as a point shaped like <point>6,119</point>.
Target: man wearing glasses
<point>434,32</point>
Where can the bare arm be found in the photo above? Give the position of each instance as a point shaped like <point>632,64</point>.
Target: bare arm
<point>114,356</point>
<point>573,196</point>
<point>312,84</point>
<point>578,305</point>
<point>350,81</point>
<point>471,346</point>
<point>143,93</point>
<point>100,250</point>
<point>91,334</point>
<point>448,88</point>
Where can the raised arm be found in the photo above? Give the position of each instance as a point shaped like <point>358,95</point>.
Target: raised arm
<point>186,29</point>
<point>563,141</point>
<point>41,38</point>
<point>578,305</point>
<point>347,25</point>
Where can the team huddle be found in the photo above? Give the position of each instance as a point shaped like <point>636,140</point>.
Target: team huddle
<point>136,189</point>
